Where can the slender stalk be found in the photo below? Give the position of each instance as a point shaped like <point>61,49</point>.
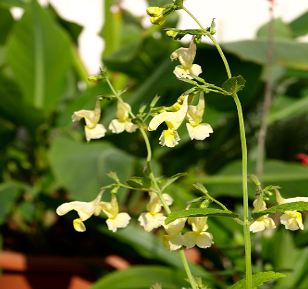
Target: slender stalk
<point>245,194</point>
<point>157,188</point>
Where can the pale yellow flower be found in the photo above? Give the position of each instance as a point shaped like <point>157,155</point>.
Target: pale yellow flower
<point>153,219</point>
<point>263,222</point>
<point>197,236</point>
<point>196,129</point>
<point>93,129</point>
<point>186,57</point>
<point>173,120</point>
<point>292,220</point>
<point>123,122</point>
<point>174,239</point>
<point>85,211</point>
<point>115,219</point>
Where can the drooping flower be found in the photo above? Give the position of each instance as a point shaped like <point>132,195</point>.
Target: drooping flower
<point>123,122</point>
<point>186,57</point>
<point>292,220</point>
<point>93,129</point>
<point>84,209</point>
<point>173,120</point>
<point>174,239</point>
<point>153,218</point>
<point>196,129</point>
<point>115,219</point>
<point>263,222</point>
<point>197,236</point>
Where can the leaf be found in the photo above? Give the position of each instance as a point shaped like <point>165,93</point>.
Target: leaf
<point>299,26</point>
<point>172,179</point>
<point>257,280</point>
<point>287,53</point>
<point>39,54</point>
<point>139,182</point>
<point>281,30</point>
<point>234,84</point>
<point>6,22</point>
<point>296,206</point>
<point>82,167</point>
<point>199,212</point>
<point>14,3</point>
<point>141,277</point>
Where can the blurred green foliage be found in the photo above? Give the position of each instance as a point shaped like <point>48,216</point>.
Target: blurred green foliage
<point>45,160</point>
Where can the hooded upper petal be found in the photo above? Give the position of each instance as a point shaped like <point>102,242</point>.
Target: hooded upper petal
<point>91,116</point>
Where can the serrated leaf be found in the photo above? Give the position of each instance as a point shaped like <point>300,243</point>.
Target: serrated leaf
<point>199,212</point>
<point>173,179</point>
<point>257,280</point>
<point>296,206</point>
<point>234,84</point>
<point>139,182</point>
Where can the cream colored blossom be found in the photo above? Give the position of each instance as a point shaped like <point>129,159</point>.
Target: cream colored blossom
<point>174,239</point>
<point>85,211</point>
<point>263,222</point>
<point>197,236</point>
<point>173,120</point>
<point>196,129</point>
<point>123,122</point>
<point>186,57</point>
<point>115,219</point>
<point>93,129</point>
<point>292,220</point>
<point>153,218</point>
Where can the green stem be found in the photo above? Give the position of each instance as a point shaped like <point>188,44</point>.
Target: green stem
<point>245,194</point>
<point>157,188</point>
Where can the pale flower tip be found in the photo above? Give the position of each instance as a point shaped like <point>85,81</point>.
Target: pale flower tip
<point>79,225</point>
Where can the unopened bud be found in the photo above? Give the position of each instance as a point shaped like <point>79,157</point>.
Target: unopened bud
<point>172,33</point>
<point>115,190</point>
<point>197,39</point>
<point>155,11</point>
<point>255,180</point>
<point>205,204</point>
<point>95,78</point>
<point>159,20</point>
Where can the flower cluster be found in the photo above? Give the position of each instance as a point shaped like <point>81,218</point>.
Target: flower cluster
<point>86,210</point>
<point>173,120</point>
<point>94,130</point>
<point>174,240</point>
<point>292,220</point>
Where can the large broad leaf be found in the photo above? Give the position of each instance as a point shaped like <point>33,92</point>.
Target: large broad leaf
<point>258,279</point>
<point>299,26</point>
<point>82,167</point>
<point>292,177</point>
<point>14,3</point>
<point>6,21</point>
<point>39,54</point>
<point>142,277</point>
<point>281,30</point>
<point>285,52</point>
<point>200,212</point>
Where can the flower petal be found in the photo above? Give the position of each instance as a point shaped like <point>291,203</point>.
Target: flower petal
<point>199,132</point>
<point>169,138</point>
<point>95,133</point>
<point>116,126</point>
<point>79,225</point>
<point>91,116</point>
<point>120,221</point>
<point>173,242</point>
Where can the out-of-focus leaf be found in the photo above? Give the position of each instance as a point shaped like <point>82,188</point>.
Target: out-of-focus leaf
<point>82,167</point>
<point>14,3</point>
<point>292,177</point>
<point>296,206</point>
<point>285,52</point>
<point>281,30</point>
<point>7,133</point>
<point>200,212</point>
<point>299,26</point>
<point>39,54</point>
<point>286,108</point>
<point>9,192</point>
<point>142,277</point>
<point>258,279</point>
<point>6,22</point>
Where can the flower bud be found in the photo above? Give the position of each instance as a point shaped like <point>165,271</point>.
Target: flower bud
<point>95,78</point>
<point>172,33</point>
<point>159,20</point>
<point>155,11</point>
<point>205,204</point>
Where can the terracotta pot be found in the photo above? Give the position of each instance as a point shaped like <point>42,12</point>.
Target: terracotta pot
<point>22,271</point>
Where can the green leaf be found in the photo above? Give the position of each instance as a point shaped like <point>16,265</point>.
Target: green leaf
<point>287,53</point>
<point>281,30</point>
<point>139,182</point>
<point>257,280</point>
<point>9,192</point>
<point>142,277</point>
<point>14,3</point>
<point>299,26</point>
<point>234,84</point>
<point>199,212</point>
<point>172,179</point>
<point>296,206</point>
<point>39,54</point>
<point>6,22</point>
<point>82,167</point>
